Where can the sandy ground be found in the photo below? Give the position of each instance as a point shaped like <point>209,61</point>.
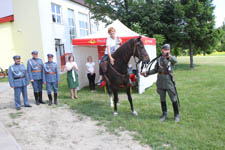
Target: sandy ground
<point>58,128</point>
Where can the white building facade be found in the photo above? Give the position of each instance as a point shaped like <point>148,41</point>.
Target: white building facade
<point>47,26</point>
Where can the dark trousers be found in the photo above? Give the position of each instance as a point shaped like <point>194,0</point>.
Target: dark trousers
<point>91,79</point>
<point>103,59</point>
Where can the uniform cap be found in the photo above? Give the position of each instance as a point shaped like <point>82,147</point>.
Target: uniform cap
<point>166,46</point>
<point>34,52</point>
<point>16,57</point>
<point>50,55</point>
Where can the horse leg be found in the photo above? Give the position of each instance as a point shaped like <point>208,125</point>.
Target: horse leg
<point>110,94</point>
<point>130,100</point>
<point>115,93</point>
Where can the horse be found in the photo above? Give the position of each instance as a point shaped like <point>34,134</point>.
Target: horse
<point>117,74</point>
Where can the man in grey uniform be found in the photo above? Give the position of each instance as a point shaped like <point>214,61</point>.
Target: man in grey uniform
<point>165,82</point>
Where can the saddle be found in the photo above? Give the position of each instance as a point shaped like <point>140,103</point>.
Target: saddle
<point>104,66</point>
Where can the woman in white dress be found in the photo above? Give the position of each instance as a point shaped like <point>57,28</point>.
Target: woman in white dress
<point>72,76</point>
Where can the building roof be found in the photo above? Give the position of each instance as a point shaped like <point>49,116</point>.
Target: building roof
<point>80,2</point>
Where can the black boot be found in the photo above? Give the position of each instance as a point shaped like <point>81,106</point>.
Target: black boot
<point>50,99</point>
<point>176,112</point>
<point>36,98</point>
<point>164,111</point>
<point>55,99</point>
<point>40,98</point>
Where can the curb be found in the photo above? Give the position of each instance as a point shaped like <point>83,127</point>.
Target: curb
<point>7,141</point>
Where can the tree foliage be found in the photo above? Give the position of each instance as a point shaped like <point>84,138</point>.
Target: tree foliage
<point>185,24</point>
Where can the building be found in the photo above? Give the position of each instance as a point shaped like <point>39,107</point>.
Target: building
<point>44,25</point>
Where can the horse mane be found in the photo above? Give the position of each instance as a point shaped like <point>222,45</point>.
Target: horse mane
<point>122,55</point>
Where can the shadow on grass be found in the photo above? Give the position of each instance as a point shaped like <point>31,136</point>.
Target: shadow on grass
<point>183,67</point>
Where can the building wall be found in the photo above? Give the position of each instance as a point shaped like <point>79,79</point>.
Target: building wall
<point>51,31</point>
<point>26,29</point>
<point>7,45</point>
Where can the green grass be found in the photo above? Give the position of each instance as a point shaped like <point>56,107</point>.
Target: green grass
<point>202,97</point>
<point>4,79</point>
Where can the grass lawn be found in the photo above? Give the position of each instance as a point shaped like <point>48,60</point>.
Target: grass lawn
<point>4,79</point>
<point>202,97</point>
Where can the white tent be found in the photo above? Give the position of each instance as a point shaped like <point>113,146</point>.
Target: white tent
<point>93,45</point>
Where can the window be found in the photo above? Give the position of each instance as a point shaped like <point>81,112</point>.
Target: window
<point>94,27</point>
<point>83,23</point>
<point>56,13</point>
<point>72,28</point>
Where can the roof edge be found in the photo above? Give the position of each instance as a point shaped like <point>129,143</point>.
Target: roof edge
<point>7,19</point>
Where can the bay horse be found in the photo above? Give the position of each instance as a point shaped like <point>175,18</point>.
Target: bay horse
<point>117,74</point>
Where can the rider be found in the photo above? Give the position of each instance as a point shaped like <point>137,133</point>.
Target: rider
<point>112,43</point>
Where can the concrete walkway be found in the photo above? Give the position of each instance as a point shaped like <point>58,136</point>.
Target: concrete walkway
<point>7,141</point>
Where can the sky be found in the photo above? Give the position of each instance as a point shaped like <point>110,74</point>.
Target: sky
<point>219,12</point>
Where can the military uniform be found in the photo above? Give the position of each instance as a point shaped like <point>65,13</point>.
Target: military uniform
<point>34,68</point>
<point>164,67</point>
<point>18,79</point>
<point>51,78</point>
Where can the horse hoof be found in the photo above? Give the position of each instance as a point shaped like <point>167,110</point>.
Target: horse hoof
<point>111,105</point>
<point>134,113</point>
<point>115,113</point>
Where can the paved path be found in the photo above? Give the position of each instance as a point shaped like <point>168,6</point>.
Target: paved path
<point>46,127</point>
<point>7,141</point>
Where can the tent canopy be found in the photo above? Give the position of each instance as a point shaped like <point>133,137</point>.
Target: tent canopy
<point>122,31</point>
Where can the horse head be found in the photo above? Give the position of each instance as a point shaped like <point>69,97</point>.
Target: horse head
<point>140,51</point>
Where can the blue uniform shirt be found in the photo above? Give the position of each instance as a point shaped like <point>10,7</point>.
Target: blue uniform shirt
<point>34,68</point>
<point>50,72</point>
<point>17,75</point>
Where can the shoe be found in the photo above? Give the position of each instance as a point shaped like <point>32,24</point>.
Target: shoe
<point>36,98</point>
<point>55,99</point>
<point>40,98</point>
<point>18,108</point>
<point>27,106</point>
<point>50,99</point>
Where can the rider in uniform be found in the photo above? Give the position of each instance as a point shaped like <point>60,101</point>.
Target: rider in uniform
<point>18,80</point>
<point>51,78</point>
<point>165,83</point>
<point>34,68</point>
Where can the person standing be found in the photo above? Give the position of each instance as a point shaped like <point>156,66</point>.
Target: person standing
<point>18,80</point>
<point>72,76</point>
<point>51,78</point>
<point>34,68</point>
<point>90,66</point>
<point>165,82</point>
<point>112,43</point>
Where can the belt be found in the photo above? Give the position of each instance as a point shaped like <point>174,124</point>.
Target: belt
<point>19,78</point>
<point>50,72</point>
<point>164,73</point>
<point>36,71</point>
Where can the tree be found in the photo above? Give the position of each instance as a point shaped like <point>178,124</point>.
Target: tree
<point>199,23</point>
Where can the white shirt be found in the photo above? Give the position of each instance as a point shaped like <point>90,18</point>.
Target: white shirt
<point>112,43</point>
<point>69,65</point>
<point>90,67</point>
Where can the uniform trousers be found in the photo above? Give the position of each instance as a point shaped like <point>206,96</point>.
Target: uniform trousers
<point>17,92</point>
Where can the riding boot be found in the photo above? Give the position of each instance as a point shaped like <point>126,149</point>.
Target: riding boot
<point>50,99</point>
<point>55,99</point>
<point>176,112</point>
<point>36,98</point>
<point>40,98</point>
<point>164,111</point>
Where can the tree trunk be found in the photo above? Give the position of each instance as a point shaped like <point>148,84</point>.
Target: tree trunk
<point>191,55</point>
